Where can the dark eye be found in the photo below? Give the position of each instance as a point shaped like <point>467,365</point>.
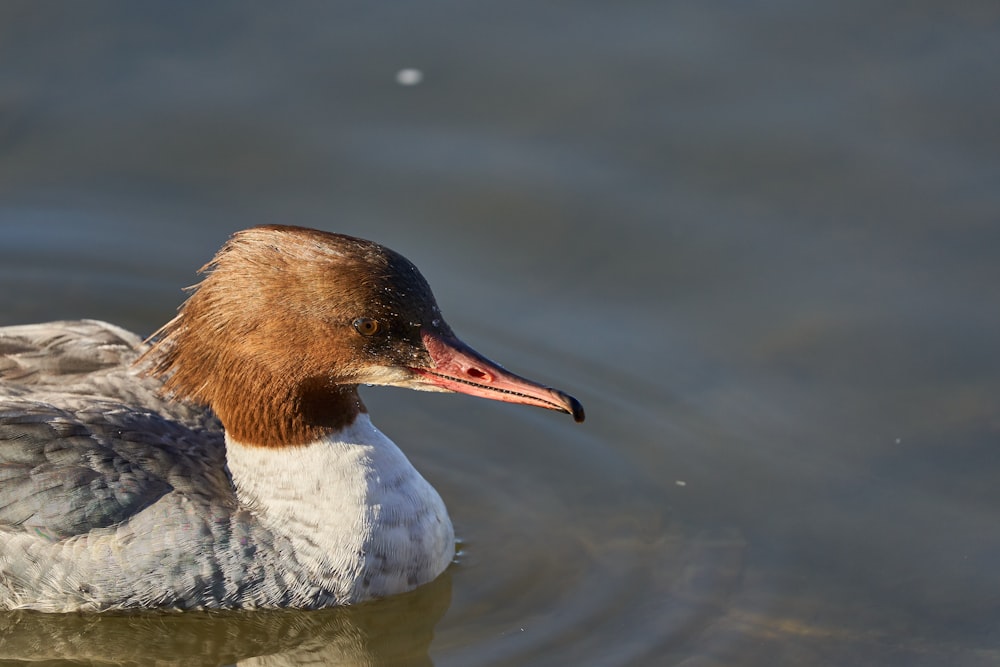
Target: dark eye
<point>367,326</point>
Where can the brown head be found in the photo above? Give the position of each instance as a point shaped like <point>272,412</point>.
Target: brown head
<point>289,321</point>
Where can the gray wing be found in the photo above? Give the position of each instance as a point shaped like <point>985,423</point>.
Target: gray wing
<point>84,441</point>
<point>60,476</point>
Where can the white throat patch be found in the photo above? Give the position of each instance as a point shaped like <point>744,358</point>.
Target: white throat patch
<point>353,507</point>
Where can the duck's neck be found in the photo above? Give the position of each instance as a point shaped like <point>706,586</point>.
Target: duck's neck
<point>357,514</point>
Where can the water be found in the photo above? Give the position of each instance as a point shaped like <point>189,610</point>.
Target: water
<point>757,240</point>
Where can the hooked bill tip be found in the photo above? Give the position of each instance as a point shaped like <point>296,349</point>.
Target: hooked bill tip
<point>576,409</point>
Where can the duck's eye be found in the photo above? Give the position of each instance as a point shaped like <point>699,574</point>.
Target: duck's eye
<point>366,326</point>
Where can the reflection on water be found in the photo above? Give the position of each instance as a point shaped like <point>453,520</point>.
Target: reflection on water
<point>388,632</point>
<point>757,240</point>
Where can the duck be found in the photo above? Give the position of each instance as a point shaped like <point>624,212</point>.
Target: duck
<point>228,461</point>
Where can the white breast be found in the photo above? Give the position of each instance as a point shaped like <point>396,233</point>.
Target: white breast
<point>355,510</point>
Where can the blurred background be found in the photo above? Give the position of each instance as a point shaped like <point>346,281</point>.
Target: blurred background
<point>759,240</point>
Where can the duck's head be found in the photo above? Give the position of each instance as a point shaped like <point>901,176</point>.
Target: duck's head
<point>289,321</point>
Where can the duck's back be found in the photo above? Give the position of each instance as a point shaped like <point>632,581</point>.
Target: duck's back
<point>88,359</point>
<point>97,469</point>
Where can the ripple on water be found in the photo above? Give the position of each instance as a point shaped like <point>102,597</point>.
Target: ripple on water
<point>569,551</point>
